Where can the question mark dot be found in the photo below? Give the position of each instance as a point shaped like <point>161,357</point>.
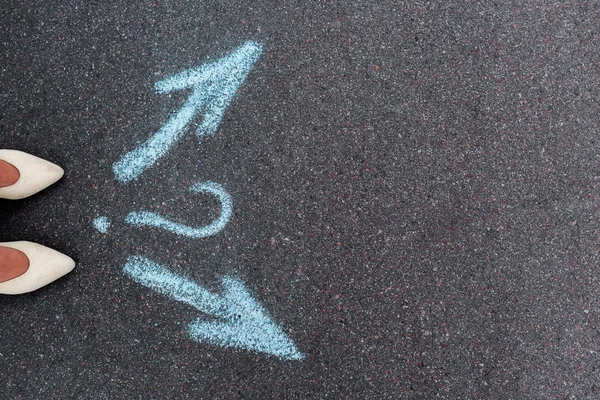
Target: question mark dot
<point>102,224</point>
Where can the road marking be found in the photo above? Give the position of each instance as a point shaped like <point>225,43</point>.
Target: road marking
<point>240,321</point>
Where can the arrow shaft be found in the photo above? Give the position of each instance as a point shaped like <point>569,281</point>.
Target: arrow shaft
<point>132,164</point>
<point>156,277</point>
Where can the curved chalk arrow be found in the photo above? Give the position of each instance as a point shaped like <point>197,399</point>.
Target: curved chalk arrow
<point>140,218</point>
<point>213,87</point>
<point>241,321</point>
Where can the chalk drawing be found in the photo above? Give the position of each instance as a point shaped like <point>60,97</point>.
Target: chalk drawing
<point>213,86</point>
<point>240,321</point>
<point>140,218</point>
<point>237,319</point>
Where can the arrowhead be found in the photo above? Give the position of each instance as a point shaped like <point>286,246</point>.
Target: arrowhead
<point>214,84</point>
<point>245,325</point>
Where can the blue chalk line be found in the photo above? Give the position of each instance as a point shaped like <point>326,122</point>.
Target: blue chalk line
<point>141,218</point>
<point>213,86</point>
<point>241,321</point>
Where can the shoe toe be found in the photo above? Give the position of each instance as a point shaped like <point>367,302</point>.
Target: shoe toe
<point>45,266</point>
<point>36,174</point>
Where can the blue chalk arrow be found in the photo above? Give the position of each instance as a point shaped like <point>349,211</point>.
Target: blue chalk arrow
<point>241,321</point>
<point>213,86</point>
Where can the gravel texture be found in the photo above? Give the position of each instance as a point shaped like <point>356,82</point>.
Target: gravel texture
<point>415,188</point>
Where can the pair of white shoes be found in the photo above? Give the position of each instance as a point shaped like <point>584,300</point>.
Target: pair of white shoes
<point>38,265</point>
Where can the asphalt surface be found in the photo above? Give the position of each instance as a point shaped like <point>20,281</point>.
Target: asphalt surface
<point>415,186</point>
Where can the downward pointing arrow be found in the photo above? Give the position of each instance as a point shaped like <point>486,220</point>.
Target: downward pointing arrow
<point>213,87</point>
<point>243,322</point>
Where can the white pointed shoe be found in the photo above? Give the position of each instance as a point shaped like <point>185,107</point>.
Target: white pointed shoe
<point>35,174</point>
<point>45,266</point>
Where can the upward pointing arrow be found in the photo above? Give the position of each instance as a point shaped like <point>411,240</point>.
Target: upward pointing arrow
<point>241,321</point>
<point>213,87</point>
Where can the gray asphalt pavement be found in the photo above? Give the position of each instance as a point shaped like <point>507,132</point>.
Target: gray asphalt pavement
<point>415,190</point>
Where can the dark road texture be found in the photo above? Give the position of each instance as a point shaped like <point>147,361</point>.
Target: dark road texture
<point>415,185</point>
